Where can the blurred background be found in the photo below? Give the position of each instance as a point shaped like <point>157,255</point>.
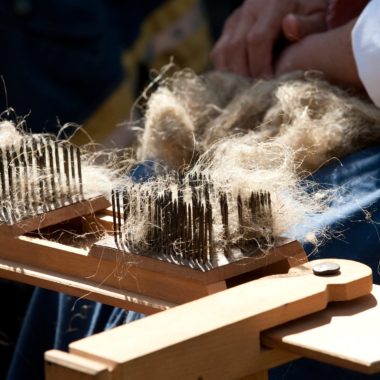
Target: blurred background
<point>86,62</point>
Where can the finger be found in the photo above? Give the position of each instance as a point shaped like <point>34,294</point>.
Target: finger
<point>311,53</point>
<point>232,20</point>
<point>236,52</point>
<point>218,54</point>
<point>307,7</point>
<point>302,55</point>
<point>288,60</point>
<point>259,51</point>
<point>329,52</point>
<point>295,27</point>
<point>263,36</point>
<point>230,52</point>
<point>259,42</point>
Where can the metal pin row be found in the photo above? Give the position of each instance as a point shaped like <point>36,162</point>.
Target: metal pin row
<point>185,228</point>
<point>38,175</point>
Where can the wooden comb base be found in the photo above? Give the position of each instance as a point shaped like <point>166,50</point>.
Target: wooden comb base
<point>179,283</point>
<point>138,283</point>
<point>219,337</point>
<point>55,216</point>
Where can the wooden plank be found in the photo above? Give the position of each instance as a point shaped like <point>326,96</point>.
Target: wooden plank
<point>64,260</point>
<point>289,250</point>
<point>217,337</point>
<point>58,215</point>
<point>62,366</point>
<point>345,334</point>
<point>122,272</point>
<point>80,287</point>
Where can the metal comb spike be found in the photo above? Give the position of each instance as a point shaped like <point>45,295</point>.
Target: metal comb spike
<point>74,179</point>
<point>66,168</point>
<point>209,223</point>
<point>80,178</point>
<point>185,228</point>
<point>24,178</point>
<point>32,174</point>
<point>44,168</point>
<point>224,214</point>
<point>51,169</point>
<point>4,187</point>
<point>10,164</point>
<point>115,217</point>
<point>40,195</point>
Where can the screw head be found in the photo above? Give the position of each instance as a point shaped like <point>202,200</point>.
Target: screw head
<point>326,269</point>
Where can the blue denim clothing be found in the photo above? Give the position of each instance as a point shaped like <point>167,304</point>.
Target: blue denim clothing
<point>54,320</point>
<point>355,217</point>
<point>354,214</point>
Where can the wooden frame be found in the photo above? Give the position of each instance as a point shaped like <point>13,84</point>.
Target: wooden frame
<point>219,336</point>
<point>145,285</point>
<point>213,340</point>
<point>55,216</point>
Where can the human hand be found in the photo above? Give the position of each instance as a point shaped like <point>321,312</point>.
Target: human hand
<point>249,34</point>
<point>329,52</point>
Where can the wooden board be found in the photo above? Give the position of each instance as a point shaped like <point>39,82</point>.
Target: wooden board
<point>60,366</point>
<point>55,216</point>
<point>147,278</point>
<point>288,250</point>
<point>345,334</point>
<point>61,261</point>
<point>218,337</point>
<point>82,287</point>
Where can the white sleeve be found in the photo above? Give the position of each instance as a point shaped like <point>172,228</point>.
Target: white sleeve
<point>366,48</point>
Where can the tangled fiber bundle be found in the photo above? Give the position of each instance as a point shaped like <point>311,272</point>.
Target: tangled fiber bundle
<point>262,136</point>
<point>188,114</point>
<point>244,137</point>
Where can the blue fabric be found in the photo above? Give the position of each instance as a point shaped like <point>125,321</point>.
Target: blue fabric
<point>355,216</point>
<point>53,320</point>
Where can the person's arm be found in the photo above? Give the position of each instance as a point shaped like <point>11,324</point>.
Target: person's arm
<point>250,33</point>
<point>366,49</point>
<point>329,52</point>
